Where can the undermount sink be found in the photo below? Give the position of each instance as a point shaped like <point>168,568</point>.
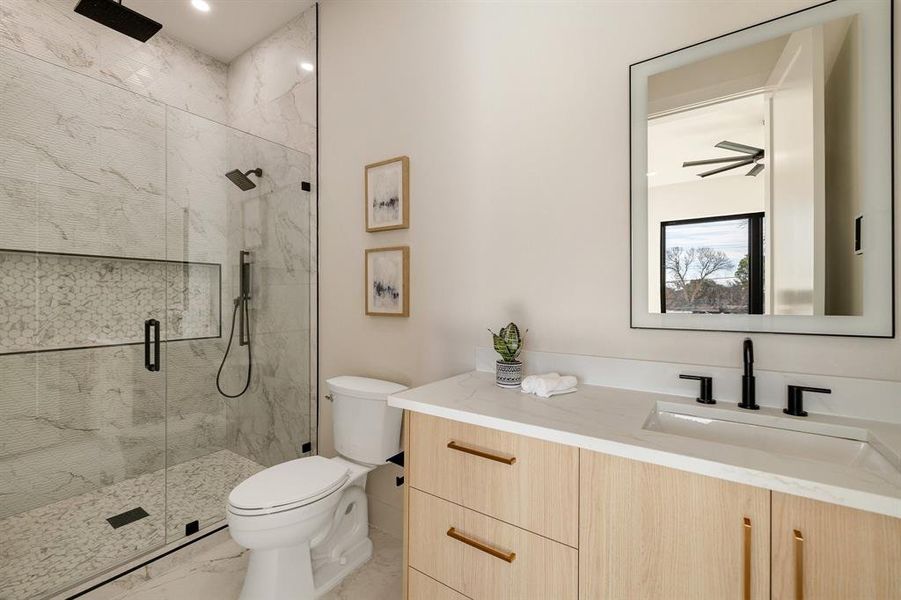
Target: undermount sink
<point>841,446</point>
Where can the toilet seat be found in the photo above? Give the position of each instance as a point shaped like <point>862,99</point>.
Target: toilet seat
<point>288,486</point>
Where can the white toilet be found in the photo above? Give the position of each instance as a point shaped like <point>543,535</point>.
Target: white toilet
<point>305,521</point>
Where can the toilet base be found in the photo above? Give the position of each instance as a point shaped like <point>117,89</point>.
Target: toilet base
<point>330,574</point>
<point>286,574</point>
<point>279,574</point>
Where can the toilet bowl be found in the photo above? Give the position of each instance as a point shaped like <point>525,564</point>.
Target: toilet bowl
<point>305,521</point>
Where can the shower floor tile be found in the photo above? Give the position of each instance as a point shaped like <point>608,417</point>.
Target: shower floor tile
<point>48,548</point>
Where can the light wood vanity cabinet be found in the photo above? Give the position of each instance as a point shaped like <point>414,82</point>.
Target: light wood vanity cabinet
<point>655,533</point>
<point>491,515</point>
<point>561,523</point>
<point>822,551</point>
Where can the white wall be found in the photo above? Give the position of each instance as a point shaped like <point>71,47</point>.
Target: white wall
<point>515,119</point>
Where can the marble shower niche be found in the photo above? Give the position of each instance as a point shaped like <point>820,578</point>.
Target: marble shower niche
<point>62,302</point>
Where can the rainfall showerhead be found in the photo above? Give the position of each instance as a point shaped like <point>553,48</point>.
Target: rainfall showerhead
<point>121,18</point>
<point>242,180</point>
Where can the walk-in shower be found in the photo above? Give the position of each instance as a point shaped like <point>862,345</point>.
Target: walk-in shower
<point>120,234</point>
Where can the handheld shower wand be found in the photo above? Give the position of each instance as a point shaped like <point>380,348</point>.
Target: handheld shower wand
<point>242,303</point>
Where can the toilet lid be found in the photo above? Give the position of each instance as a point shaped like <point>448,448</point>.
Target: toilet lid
<point>289,483</point>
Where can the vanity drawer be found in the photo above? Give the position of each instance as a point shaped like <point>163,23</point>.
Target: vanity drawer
<point>422,587</point>
<point>486,559</point>
<point>531,483</point>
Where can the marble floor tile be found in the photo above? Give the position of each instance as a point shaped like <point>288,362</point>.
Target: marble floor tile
<point>218,573</point>
<point>53,546</point>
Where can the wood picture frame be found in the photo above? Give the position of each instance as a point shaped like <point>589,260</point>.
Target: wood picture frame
<point>386,194</point>
<point>387,281</point>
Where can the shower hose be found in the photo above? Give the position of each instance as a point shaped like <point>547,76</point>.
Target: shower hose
<point>239,305</point>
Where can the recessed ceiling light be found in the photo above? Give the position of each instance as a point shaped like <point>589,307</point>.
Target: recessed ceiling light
<point>201,5</point>
<point>307,66</point>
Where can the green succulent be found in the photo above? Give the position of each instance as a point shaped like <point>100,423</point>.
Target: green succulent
<point>508,342</point>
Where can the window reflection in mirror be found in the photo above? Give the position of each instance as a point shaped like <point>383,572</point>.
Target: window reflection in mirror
<point>712,265</point>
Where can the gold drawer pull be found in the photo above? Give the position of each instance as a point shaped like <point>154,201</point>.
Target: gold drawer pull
<point>747,574</point>
<point>799,565</point>
<point>452,532</point>
<point>507,460</point>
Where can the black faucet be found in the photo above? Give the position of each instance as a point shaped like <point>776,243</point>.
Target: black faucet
<point>748,392</point>
<point>706,395</point>
<point>795,406</point>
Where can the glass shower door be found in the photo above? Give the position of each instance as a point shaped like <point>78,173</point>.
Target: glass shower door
<point>216,440</point>
<point>84,275</point>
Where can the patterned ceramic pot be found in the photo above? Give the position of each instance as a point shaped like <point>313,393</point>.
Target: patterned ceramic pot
<point>509,374</point>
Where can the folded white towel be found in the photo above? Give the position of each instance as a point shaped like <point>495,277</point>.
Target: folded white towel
<point>549,384</point>
<point>559,392</point>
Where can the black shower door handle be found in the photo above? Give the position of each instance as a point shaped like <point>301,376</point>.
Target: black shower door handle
<point>152,325</point>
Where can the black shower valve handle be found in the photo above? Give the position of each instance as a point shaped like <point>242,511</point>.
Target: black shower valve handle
<point>706,392</point>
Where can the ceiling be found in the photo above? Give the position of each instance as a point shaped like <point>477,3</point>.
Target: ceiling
<point>228,29</point>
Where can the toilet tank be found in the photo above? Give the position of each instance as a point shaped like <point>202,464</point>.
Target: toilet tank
<point>366,429</point>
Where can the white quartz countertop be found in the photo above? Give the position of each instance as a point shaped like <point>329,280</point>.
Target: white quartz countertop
<point>612,420</point>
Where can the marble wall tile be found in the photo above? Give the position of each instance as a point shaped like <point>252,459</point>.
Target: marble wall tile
<point>271,422</point>
<point>18,205</point>
<point>269,94</point>
<point>276,227</point>
<point>79,221</point>
<point>197,190</point>
<point>166,70</point>
<point>18,399</point>
<point>195,411</point>
<point>49,123</point>
<point>76,421</point>
<point>49,30</point>
<point>272,67</point>
<point>288,119</point>
<point>163,69</point>
<point>89,159</point>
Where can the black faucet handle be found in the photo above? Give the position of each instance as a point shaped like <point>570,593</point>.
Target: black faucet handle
<point>706,395</point>
<point>795,404</point>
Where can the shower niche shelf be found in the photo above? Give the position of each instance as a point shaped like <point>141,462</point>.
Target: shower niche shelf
<point>53,301</point>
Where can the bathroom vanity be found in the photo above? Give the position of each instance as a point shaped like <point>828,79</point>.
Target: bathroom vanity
<point>598,494</point>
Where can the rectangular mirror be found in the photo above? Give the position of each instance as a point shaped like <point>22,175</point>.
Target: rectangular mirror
<point>761,178</point>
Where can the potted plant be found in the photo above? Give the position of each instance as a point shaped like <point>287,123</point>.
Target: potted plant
<point>508,343</point>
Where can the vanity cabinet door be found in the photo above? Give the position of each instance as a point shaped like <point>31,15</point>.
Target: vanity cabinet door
<point>651,532</point>
<point>823,551</point>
